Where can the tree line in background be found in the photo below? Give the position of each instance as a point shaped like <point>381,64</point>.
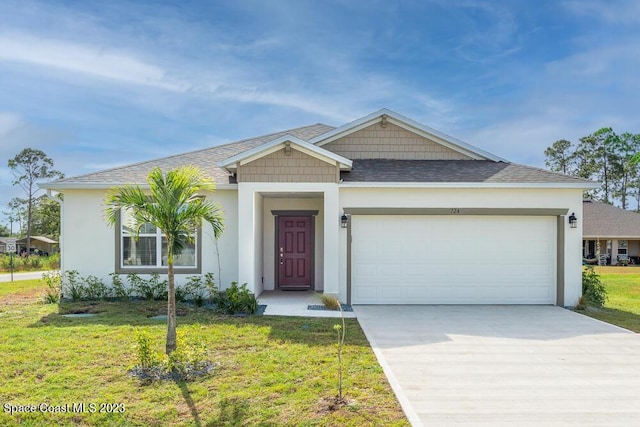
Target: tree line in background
<point>35,214</point>
<point>606,157</point>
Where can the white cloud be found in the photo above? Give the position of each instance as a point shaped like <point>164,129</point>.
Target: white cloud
<point>85,59</point>
<point>613,12</point>
<point>524,139</point>
<point>8,123</point>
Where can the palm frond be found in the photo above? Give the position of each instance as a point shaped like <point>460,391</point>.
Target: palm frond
<point>175,204</point>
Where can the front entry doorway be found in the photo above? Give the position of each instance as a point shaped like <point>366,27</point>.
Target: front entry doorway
<point>294,253</point>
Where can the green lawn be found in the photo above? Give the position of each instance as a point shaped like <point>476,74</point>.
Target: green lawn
<point>623,290</point>
<point>21,287</point>
<point>272,370</point>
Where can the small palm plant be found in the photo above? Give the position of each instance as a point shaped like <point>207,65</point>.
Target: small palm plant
<point>176,206</point>
<point>340,330</point>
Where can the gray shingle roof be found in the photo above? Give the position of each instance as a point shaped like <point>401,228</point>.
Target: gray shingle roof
<point>484,171</point>
<point>376,170</point>
<point>206,159</point>
<point>605,221</point>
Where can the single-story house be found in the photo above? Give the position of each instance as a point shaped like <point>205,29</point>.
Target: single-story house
<point>610,232</point>
<point>3,244</point>
<point>42,244</point>
<point>381,210</point>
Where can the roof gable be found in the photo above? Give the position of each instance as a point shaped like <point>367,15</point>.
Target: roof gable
<point>391,142</point>
<point>385,116</point>
<point>283,142</point>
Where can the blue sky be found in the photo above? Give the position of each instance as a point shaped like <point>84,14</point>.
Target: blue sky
<point>100,84</point>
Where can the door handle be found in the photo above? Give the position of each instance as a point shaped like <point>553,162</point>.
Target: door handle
<point>281,256</point>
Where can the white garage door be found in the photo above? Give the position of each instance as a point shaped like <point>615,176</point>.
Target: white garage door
<point>453,259</point>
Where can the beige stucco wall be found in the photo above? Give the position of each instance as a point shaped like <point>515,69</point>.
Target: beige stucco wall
<point>88,243</point>
<point>390,142</point>
<point>296,167</point>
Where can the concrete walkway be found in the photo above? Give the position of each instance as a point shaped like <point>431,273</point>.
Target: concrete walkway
<point>295,303</point>
<point>506,365</point>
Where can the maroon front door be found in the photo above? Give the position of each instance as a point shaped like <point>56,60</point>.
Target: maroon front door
<point>294,252</point>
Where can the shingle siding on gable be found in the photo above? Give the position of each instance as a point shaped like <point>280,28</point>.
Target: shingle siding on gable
<point>390,142</point>
<point>278,167</point>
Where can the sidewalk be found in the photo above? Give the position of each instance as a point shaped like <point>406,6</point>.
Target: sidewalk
<point>30,275</point>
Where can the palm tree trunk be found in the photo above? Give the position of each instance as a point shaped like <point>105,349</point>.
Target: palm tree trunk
<point>171,310</point>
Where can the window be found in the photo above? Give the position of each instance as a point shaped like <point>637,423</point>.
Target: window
<point>622,247</point>
<point>148,253</point>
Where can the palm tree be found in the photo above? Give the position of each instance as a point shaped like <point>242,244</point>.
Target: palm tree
<point>176,206</point>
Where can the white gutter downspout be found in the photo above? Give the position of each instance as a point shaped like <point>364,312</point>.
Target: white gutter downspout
<point>61,238</point>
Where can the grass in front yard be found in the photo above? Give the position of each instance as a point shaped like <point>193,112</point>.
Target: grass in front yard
<point>22,287</point>
<point>623,289</point>
<point>273,370</point>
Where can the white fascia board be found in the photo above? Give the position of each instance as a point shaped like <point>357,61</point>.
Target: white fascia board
<point>556,185</point>
<point>322,157</point>
<point>256,156</point>
<point>410,125</point>
<point>274,145</point>
<point>348,128</point>
<point>445,140</point>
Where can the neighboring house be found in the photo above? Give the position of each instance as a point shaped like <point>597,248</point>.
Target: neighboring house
<point>610,231</point>
<point>382,210</point>
<point>40,243</point>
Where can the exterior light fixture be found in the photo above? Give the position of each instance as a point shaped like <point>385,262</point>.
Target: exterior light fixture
<point>573,221</point>
<point>344,221</point>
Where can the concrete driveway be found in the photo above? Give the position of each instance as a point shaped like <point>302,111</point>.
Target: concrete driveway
<point>506,365</point>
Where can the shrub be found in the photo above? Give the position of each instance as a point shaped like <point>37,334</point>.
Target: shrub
<point>194,290</point>
<point>52,262</point>
<point>592,288</point>
<point>188,358</point>
<point>210,284</point>
<point>181,296</point>
<point>187,361</point>
<point>72,285</point>
<point>54,287</point>
<point>35,262</point>
<point>147,357</point>
<point>158,288</point>
<point>152,289</point>
<point>236,299</point>
<point>138,285</point>
<point>330,301</point>
<point>18,262</point>
<point>120,291</point>
<point>95,289</point>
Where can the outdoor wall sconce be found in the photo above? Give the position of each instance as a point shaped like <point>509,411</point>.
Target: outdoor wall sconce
<point>344,221</point>
<point>573,221</point>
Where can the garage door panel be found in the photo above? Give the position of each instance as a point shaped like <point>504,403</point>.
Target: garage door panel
<point>453,260</point>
